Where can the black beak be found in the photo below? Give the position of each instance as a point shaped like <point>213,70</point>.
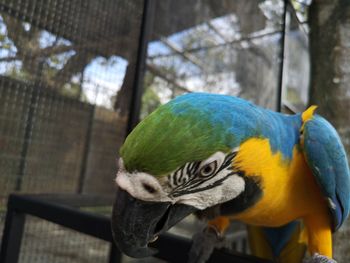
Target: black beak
<point>135,223</point>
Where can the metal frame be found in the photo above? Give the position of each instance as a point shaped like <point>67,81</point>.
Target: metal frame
<point>86,152</point>
<point>55,209</point>
<point>137,88</point>
<point>37,205</point>
<point>146,31</point>
<point>62,212</point>
<point>281,58</point>
<point>30,116</point>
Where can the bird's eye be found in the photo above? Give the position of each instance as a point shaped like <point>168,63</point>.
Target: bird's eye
<point>208,169</point>
<point>149,188</point>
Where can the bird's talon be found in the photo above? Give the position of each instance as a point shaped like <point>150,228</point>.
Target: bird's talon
<point>211,228</point>
<point>204,243</point>
<point>317,258</point>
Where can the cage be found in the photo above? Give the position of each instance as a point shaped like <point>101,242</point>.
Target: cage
<point>76,77</point>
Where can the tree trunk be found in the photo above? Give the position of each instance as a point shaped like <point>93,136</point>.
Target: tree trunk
<point>123,98</point>
<point>330,80</point>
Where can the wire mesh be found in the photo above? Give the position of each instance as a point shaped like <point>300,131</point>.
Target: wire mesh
<point>37,245</point>
<point>62,69</point>
<point>230,48</point>
<point>227,47</point>
<point>66,72</point>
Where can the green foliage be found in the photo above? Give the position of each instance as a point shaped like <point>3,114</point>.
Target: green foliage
<point>150,99</point>
<point>150,102</point>
<point>16,73</point>
<point>25,58</point>
<point>72,90</point>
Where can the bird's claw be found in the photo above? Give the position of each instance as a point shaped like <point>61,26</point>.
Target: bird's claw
<point>317,258</point>
<point>203,244</point>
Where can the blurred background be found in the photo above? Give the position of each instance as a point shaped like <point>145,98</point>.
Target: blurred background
<point>73,82</point>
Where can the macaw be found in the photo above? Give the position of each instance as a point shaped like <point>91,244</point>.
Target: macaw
<point>228,159</point>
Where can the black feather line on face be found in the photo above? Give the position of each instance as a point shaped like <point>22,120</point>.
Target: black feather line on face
<point>228,159</point>
<point>179,177</point>
<point>186,191</point>
<point>246,199</point>
<point>251,195</point>
<point>175,177</point>
<point>189,172</point>
<point>194,167</point>
<point>184,175</point>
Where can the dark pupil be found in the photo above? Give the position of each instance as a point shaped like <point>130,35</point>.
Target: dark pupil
<point>207,169</point>
<point>149,188</point>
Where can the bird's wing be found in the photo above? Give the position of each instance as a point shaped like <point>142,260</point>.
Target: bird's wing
<point>327,159</point>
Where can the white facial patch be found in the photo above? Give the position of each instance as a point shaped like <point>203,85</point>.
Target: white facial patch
<point>141,185</point>
<point>229,189</point>
<point>192,184</point>
<point>219,157</point>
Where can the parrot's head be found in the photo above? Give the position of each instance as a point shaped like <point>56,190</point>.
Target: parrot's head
<point>177,161</point>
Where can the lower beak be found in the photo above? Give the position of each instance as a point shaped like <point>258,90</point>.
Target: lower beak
<point>136,223</point>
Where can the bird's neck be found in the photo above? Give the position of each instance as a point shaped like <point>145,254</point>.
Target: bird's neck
<point>289,189</point>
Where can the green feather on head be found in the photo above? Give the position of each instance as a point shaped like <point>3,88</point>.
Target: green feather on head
<point>174,134</point>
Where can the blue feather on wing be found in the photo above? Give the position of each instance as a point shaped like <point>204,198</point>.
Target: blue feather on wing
<point>326,156</point>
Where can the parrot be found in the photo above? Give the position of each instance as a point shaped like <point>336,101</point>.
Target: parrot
<point>224,158</point>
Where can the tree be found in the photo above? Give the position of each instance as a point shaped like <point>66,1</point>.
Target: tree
<point>54,64</point>
<point>330,79</point>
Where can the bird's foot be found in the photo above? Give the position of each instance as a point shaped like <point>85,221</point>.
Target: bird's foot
<point>203,244</point>
<point>317,258</point>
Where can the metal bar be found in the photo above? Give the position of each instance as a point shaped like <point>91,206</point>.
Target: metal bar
<point>86,150</point>
<point>88,223</point>
<point>174,249</point>
<point>12,235</point>
<point>29,126</point>
<point>171,248</point>
<point>115,256</point>
<point>281,58</point>
<point>146,29</point>
<point>26,138</point>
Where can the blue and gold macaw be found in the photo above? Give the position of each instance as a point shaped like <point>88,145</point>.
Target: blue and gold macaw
<point>223,156</point>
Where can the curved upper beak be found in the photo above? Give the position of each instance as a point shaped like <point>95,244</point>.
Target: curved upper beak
<point>135,223</point>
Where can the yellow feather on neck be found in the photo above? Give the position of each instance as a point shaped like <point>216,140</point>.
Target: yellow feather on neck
<point>289,188</point>
<point>290,192</point>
